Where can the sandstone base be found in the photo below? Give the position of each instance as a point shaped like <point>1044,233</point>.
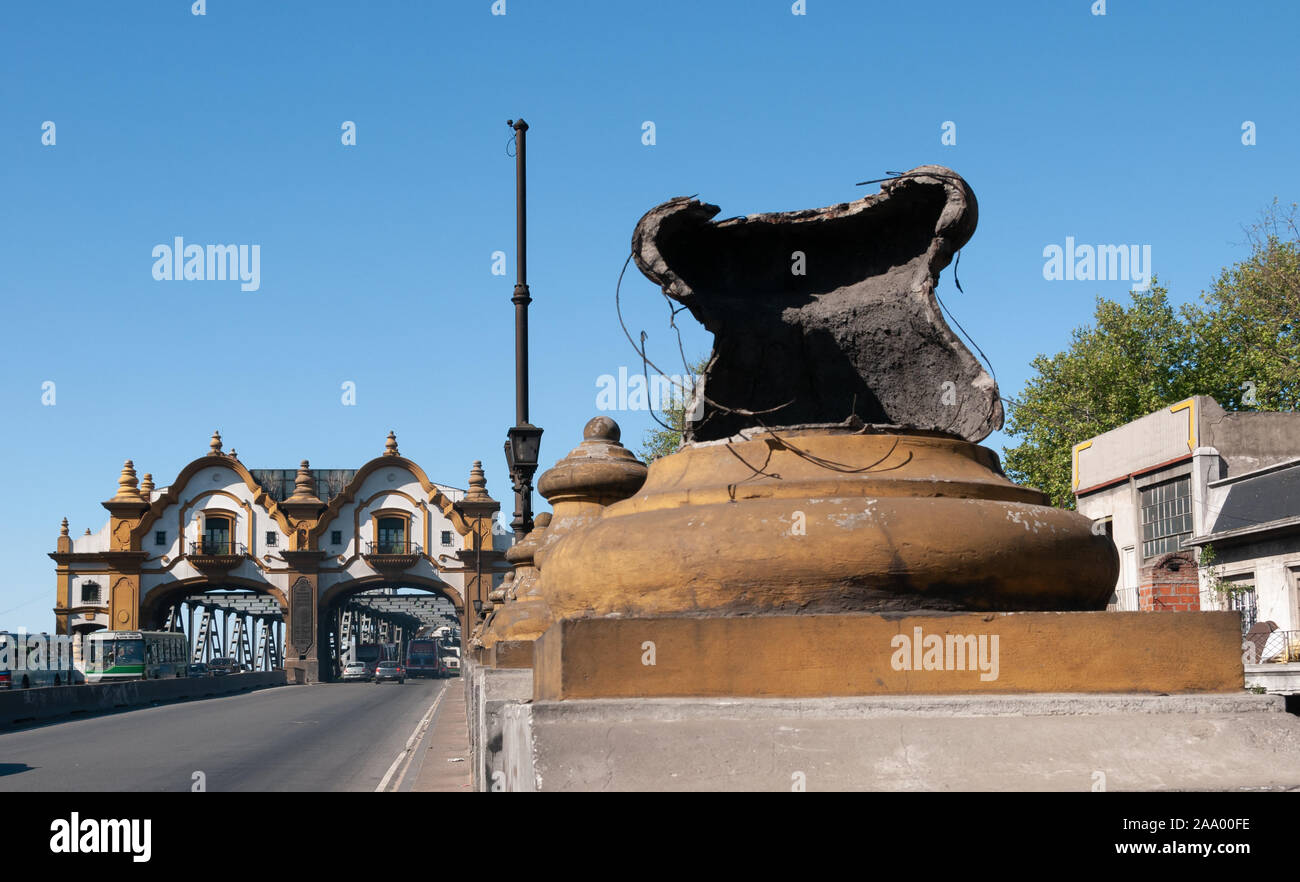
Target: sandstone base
<point>510,654</point>
<point>851,655</point>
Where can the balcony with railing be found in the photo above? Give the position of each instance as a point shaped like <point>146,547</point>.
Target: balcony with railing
<point>392,556</point>
<point>216,555</point>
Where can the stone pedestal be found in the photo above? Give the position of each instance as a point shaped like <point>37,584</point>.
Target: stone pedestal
<point>832,585</point>
<point>859,655</point>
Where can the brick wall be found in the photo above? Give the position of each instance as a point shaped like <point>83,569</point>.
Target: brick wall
<point>1170,582</point>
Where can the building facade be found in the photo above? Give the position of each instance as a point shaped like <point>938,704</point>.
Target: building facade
<point>310,539</point>
<point>1204,508</point>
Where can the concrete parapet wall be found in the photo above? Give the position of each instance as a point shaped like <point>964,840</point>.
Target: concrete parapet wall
<point>489,691</point>
<point>1281,679</point>
<point>22,706</point>
<point>1049,742</point>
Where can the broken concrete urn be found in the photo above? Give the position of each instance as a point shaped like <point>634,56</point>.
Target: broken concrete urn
<point>835,464</point>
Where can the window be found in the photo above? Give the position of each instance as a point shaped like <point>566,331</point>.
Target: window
<point>336,537</point>
<point>446,537</point>
<point>270,537</point>
<point>1241,598</point>
<point>216,535</point>
<point>90,592</point>
<point>1166,517</point>
<point>159,537</point>
<point>390,534</point>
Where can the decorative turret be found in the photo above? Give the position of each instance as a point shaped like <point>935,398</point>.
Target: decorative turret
<point>126,508</point>
<point>390,446</point>
<point>477,484</point>
<point>304,486</point>
<point>64,544</point>
<point>127,485</point>
<point>304,504</point>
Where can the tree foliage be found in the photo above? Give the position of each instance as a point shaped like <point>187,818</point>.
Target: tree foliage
<point>1240,344</point>
<point>659,440</point>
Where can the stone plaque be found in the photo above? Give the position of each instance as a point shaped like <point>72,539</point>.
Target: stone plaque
<point>302,632</point>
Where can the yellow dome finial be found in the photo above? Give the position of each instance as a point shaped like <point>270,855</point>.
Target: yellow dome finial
<point>477,482</point>
<point>127,484</point>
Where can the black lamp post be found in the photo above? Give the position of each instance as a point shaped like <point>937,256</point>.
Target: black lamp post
<point>524,440</point>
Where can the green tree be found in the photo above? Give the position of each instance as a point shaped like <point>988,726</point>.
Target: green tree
<point>660,441</point>
<point>1133,360</point>
<point>1246,327</point>
<point>1240,344</point>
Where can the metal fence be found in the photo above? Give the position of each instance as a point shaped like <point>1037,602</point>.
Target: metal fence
<point>1277,647</point>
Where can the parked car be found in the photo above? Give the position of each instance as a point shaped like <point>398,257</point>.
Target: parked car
<point>197,670</point>
<point>219,667</point>
<point>355,671</point>
<point>450,665</point>
<point>390,670</point>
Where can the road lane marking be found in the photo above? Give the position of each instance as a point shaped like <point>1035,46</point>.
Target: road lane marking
<point>411,742</point>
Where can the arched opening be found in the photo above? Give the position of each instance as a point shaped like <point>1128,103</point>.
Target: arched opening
<point>230,625</point>
<point>370,619</point>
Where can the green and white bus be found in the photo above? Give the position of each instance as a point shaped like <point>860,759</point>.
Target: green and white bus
<point>135,655</point>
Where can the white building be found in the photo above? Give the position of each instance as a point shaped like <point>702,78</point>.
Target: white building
<point>1190,477</point>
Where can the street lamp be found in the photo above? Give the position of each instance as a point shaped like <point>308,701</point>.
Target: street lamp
<point>523,447</point>
<point>524,440</point>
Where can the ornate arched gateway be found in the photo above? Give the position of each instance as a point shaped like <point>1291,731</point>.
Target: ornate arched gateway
<point>306,539</point>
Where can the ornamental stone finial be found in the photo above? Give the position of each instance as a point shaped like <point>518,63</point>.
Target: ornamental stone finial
<point>146,485</point>
<point>304,503</point>
<point>390,445</point>
<point>477,483</point>
<point>63,529</point>
<point>599,470</point>
<point>214,446</point>
<point>127,484</point>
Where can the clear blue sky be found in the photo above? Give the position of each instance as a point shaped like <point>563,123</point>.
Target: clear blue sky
<point>375,259</point>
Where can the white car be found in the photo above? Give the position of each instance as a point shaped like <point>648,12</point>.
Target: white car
<point>356,671</point>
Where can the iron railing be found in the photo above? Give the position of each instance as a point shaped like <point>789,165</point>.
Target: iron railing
<point>217,547</point>
<point>393,547</point>
<point>1276,647</point>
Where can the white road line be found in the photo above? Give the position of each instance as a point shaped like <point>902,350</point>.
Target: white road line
<point>410,742</point>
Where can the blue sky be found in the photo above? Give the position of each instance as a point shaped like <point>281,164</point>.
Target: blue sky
<point>376,258</point>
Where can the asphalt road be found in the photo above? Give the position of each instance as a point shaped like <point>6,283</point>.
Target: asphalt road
<point>336,736</point>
